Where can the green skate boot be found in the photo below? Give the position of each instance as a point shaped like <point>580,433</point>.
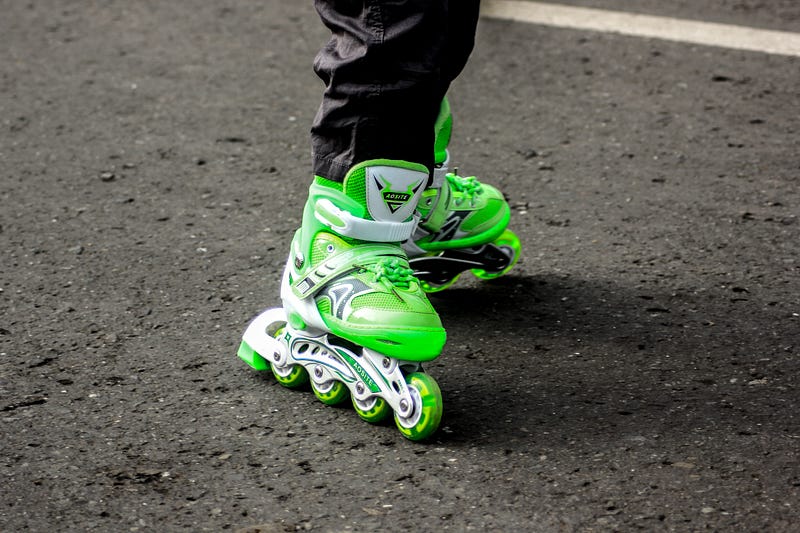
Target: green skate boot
<point>463,224</point>
<point>355,321</point>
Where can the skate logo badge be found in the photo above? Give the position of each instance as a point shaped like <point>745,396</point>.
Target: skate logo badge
<point>392,192</point>
<point>394,200</point>
<point>365,377</point>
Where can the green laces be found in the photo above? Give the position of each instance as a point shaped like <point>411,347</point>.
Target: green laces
<point>394,271</point>
<point>468,187</point>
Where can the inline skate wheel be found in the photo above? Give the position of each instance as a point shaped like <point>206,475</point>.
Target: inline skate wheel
<point>434,287</point>
<point>290,376</point>
<point>374,410</point>
<point>509,242</point>
<point>331,392</point>
<point>427,414</point>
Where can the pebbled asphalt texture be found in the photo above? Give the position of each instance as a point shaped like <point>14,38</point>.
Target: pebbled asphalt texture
<point>638,370</point>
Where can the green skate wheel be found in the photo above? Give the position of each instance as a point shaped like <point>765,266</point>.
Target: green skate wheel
<point>291,376</point>
<point>427,414</point>
<point>374,410</point>
<point>331,392</point>
<point>433,287</point>
<point>508,240</point>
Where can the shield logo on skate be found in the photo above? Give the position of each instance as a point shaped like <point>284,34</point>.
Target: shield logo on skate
<point>395,200</point>
<point>393,192</point>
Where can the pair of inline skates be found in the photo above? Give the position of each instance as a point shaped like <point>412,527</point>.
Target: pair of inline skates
<point>356,322</point>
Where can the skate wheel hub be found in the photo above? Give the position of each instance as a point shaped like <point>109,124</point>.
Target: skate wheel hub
<point>405,407</point>
<point>407,416</point>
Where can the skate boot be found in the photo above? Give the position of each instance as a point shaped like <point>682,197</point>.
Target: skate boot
<point>355,321</point>
<point>463,224</point>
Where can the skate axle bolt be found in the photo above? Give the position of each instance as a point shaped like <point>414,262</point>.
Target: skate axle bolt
<point>276,356</point>
<point>360,387</point>
<point>406,408</point>
<point>318,371</point>
<point>387,362</point>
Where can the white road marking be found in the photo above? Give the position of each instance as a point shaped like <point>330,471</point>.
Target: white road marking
<point>671,29</point>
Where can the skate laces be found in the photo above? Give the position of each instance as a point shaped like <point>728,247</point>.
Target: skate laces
<point>467,186</point>
<point>394,271</point>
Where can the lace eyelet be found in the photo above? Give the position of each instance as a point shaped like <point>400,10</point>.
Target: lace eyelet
<point>330,248</point>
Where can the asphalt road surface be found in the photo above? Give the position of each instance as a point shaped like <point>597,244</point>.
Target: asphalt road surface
<point>638,370</point>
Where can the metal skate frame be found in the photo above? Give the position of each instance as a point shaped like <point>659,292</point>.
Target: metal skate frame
<point>368,374</point>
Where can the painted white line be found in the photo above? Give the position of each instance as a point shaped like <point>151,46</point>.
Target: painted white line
<point>671,29</point>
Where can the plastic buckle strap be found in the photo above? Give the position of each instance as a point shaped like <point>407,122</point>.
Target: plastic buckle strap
<point>341,263</point>
<point>344,223</point>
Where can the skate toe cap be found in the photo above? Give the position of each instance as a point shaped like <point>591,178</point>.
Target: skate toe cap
<point>408,336</point>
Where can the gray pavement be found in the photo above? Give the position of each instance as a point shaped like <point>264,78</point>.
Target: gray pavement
<point>638,370</point>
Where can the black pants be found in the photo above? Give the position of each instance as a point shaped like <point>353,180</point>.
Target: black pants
<point>386,69</point>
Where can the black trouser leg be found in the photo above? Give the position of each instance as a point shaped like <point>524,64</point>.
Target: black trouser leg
<point>386,68</point>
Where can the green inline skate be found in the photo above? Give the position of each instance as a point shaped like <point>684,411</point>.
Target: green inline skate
<point>463,224</point>
<point>355,321</point>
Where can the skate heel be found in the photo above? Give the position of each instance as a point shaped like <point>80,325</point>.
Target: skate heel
<point>259,347</point>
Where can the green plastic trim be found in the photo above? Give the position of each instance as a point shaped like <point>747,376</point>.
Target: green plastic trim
<point>251,357</point>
